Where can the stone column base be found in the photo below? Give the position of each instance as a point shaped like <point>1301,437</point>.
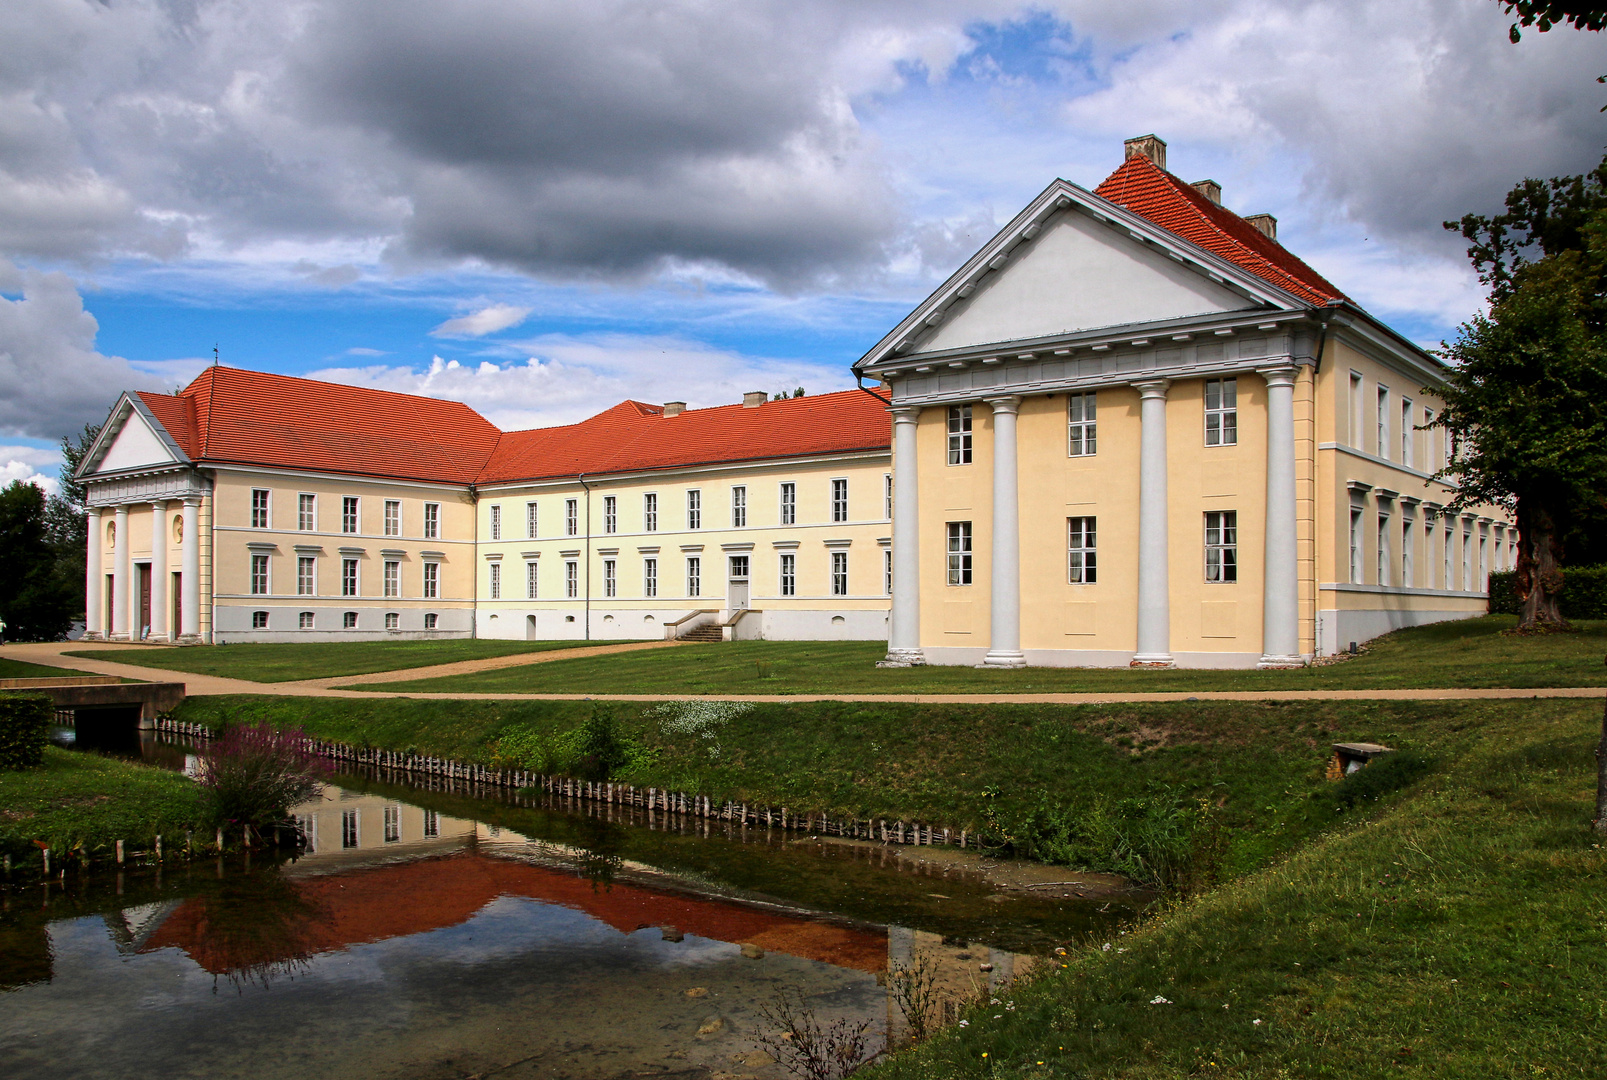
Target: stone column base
<point>93,635</point>
<point>188,639</point>
<point>118,637</point>
<point>1270,662</point>
<point>897,658</point>
<point>1003,660</point>
<point>1153,660</point>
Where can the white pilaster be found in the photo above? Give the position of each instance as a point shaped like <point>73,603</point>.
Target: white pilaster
<point>190,573</point>
<point>904,634</point>
<point>94,579</point>
<point>1154,588</point>
<point>159,574</point>
<point>1004,639</point>
<point>121,619</point>
<point>1280,604</point>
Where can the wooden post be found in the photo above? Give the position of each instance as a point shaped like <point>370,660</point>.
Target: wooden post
<point>119,853</point>
<point>46,853</point>
<point>158,847</point>
<point>220,839</point>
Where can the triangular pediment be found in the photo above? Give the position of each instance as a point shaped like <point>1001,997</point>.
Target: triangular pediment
<point>1079,274</point>
<point>132,439</point>
<point>1072,262</point>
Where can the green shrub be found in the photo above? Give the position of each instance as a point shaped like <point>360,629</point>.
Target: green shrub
<point>1154,838</point>
<point>24,727</point>
<point>1380,777</point>
<point>597,750</point>
<point>1584,592</point>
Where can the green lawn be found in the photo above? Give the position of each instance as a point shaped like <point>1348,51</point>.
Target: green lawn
<point>79,799</point>
<point>21,669</point>
<point>1468,653</point>
<point>291,661</point>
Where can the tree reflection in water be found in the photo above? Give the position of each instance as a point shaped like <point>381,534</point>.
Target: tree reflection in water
<point>250,928</point>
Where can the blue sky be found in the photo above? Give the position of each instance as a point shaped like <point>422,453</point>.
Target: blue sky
<point>541,209</point>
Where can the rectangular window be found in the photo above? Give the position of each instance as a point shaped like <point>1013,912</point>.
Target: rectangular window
<point>694,576</point>
<point>1222,545</point>
<point>610,579</point>
<point>739,566</point>
<point>496,580</point>
<point>1407,535</point>
<point>959,434</point>
<point>1382,419</point>
<point>393,621</point>
<point>839,500</point>
<point>1356,414</point>
<point>348,620</point>
<point>307,512</point>
<point>496,523</point>
<point>839,573</point>
<point>610,514</point>
<point>650,512</point>
<point>432,824</point>
<point>789,574</point>
<point>532,579</point>
<point>694,509</point>
<point>571,579</point>
<point>259,575</point>
<point>1406,432</point>
<point>349,835</point>
<point>259,508</point>
<point>887,571</point>
<point>1428,550</point>
<point>393,824</point>
<point>739,507</point>
<point>1429,464</point>
<point>532,521</point>
<point>393,517</point>
<point>393,578</point>
<point>1383,547</point>
<point>432,521</point>
<point>1082,567</point>
<point>1447,581</point>
<point>1221,412</point>
<point>432,581</point>
<point>887,496</point>
<point>432,621</point>
<point>1081,430</point>
<point>571,517</point>
<point>306,575</point>
<point>959,552</point>
<point>348,514</point>
<point>1482,582</point>
<point>1356,571</point>
<point>789,504</point>
<point>1467,557</point>
<point>348,577</point>
<point>259,620</point>
<point>650,577</point>
<point>304,621</point>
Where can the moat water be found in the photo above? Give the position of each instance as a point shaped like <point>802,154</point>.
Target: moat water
<point>431,930</point>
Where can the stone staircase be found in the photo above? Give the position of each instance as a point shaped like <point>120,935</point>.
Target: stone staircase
<point>707,632</point>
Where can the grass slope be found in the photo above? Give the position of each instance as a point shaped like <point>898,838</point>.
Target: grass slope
<point>79,799</point>
<point>1467,653</point>
<point>21,669</point>
<point>1461,934</point>
<point>292,661</point>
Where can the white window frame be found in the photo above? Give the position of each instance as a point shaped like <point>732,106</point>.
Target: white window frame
<point>694,509</point>
<point>887,496</point>
<point>650,512</point>
<point>610,514</point>
<point>650,578</point>
<point>306,512</point>
<point>348,620</point>
<point>532,520</point>
<point>432,580</point>
<point>839,573</point>
<point>495,580</point>
<point>393,824</point>
<point>259,620</point>
<point>432,521</point>
<point>1384,554</point>
<point>961,435</point>
<point>1406,432</point>
<point>532,579</point>
<point>1358,569</point>
<point>1382,417</point>
<point>261,508</point>
<point>839,499</point>
<point>1082,559</point>
<point>1428,548</point>
<point>571,579</point>
<point>351,518</point>
<point>304,620</point>
<point>393,517</point>
<point>496,521</point>
<point>261,575</point>
<point>610,578</point>
<point>887,571</point>
<point>393,578</point>
<point>1221,547</point>
<point>1082,424</point>
<point>1357,410</point>
<point>1408,528</point>
<point>739,506</point>
<point>960,560</point>
<point>1222,418</point>
<point>351,581</point>
<point>789,502</point>
<point>571,517</point>
<point>306,575</point>
<point>694,575</point>
<point>393,620</point>
<point>432,621</point>
<point>789,574</point>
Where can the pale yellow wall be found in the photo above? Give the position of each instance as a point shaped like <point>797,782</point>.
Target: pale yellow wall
<point>868,526</point>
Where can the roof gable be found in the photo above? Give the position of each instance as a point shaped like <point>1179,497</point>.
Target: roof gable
<point>1079,274</point>
<point>133,439</point>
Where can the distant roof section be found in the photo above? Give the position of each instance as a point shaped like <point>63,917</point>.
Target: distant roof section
<point>232,416</point>
<point>1151,192</point>
<point>633,437</point>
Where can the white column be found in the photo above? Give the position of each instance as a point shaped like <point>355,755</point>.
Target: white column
<point>1154,588</point>
<point>159,574</point>
<point>1004,579</point>
<point>190,576</point>
<point>904,635</point>
<point>1280,602</point>
<point>94,579</point>
<point>121,620</point>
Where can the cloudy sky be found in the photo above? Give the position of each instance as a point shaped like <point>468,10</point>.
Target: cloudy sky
<point>540,208</point>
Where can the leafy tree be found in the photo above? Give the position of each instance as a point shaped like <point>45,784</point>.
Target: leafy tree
<point>1525,395</point>
<point>33,603</point>
<point>1581,14</point>
<point>65,519</point>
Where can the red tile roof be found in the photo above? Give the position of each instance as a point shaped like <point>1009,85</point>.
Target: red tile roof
<point>1151,192</point>
<point>633,437</point>
<point>233,416</point>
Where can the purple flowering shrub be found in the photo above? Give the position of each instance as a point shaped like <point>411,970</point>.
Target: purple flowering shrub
<point>254,773</point>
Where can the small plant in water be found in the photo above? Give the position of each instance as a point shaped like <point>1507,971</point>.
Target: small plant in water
<point>701,720</point>
<point>798,1039</point>
<point>914,988</point>
<point>255,773</point>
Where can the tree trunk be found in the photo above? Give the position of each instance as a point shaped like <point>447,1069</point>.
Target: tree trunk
<point>1539,568</point>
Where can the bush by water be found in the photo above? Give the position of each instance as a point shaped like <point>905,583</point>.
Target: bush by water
<point>254,773</point>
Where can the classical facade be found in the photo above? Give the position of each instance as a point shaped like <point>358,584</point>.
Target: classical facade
<point>1134,429</point>
<point>257,507</point>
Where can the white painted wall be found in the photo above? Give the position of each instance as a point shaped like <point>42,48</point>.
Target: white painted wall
<point>134,446</point>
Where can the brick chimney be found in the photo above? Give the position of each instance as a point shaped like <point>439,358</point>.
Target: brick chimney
<point>674,408</point>
<point>1266,223</point>
<point>1210,189</point>
<point>753,399</point>
<point>1150,146</point>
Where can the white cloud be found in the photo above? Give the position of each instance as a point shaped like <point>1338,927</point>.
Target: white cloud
<point>11,469</point>
<point>487,320</point>
<point>570,378</point>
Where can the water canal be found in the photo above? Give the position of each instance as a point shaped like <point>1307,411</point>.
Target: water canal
<point>439,931</point>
